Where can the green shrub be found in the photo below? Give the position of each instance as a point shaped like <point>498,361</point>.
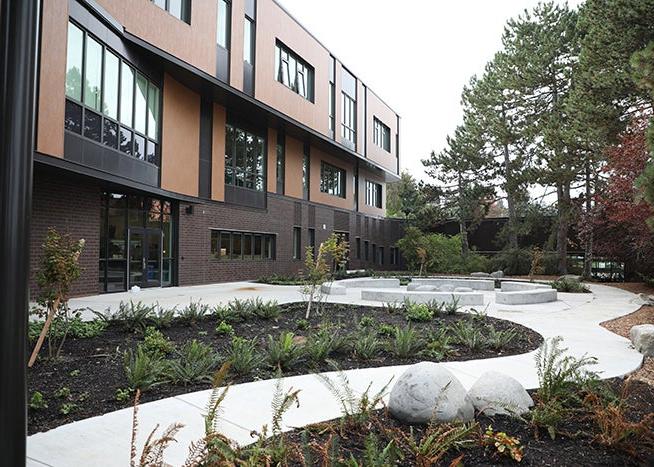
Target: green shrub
<point>302,324</point>
<point>193,313</point>
<point>367,322</point>
<point>225,313</point>
<point>438,345</point>
<point>135,317</point>
<point>265,310</point>
<point>123,395</point>
<point>280,279</point>
<point>67,408</point>
<point>195,362</point>
<point>513,261</point>
<point>417,312</point>
<point>37,401</point>
<point>451,306</point>
<point>366,345</point>
<point>243,356</point>
<point>164,317</point>
<point>407,342</point>
<point>241,310</point>
<point>322,344</point>
<point>283,352</point>
<point>224,329</point>
<point>62,393</point>
<point>475,262</point>
<point>142,370</point>
<point>435,307</point>
<point>569,285</point>
<point>155,343</point>
<point>75,328</point>
<point>386,330</point>
<point>497,340</point>
<point>467,334</point>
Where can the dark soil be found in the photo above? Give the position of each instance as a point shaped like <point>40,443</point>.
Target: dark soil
<point>577,447</point>
<point>92,369</point>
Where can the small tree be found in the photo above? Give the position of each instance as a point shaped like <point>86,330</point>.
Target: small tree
<point>317,269</point>
<point>59,269</point>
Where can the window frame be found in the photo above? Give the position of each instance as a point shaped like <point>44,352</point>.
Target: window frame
<point>333,180</point>
<point>227,24</point>
<point>381,135</point>
<point>294,72</point>
<point>242,175</point>
<point>296,243</point>
<point>348,118</point>
<point>374,194</point>
<point>264,240</point>
<point>185,10</point>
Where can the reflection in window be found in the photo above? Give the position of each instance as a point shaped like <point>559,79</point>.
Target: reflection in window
<point>373,194</point>
<point>242,245</point>
<point>248,41</point>
<point>93,126</point>
<point>180,9</point>
<point>140,98</point>
<point>332,180</point>
<point>381,135</point>
<point>93,74</point>
<point>293,72</point>
<point>244,159</point>
<point>126,94</point>
<point>348,123</point>
<point>224,22</point>
<point>110,94</point>
<point>74,62</point>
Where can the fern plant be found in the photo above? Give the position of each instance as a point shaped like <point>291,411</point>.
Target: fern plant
<point>284,352</point>
<point>268,310</point>
<point>322,344</point>
<point>135,317</point>
<point>142,369</point>
<point>406,343</point>
<point>193,313</point>
<point>466,333</point>
<point>243,356</point>
<point>498,339</point>
<point>195,363</point>
<point>430,448</point>
<point>366,345</point>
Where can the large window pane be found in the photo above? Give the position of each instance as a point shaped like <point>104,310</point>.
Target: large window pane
<point>248,41</point>
<point>224,20</point>
<point>126,94</point>
<point>110,130</point>
<point>140,99</point>
<point>73,117</point>
<point>74,62</point>
<point>139,147</point>
<point>126,137</point>
<point>110,96</point>
<point>93,74</point>
<point>93,126</point>
<point>153,111</point>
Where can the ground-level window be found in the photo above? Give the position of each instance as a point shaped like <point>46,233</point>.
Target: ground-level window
<point>366,250</point>
<point>357,242</point>
<point>228,244</point>
<point>381,255</point>
<point>373,194</point>
<point>312,240</point>
<point>297,243</point>
<point>394,251</point>
<point>332,180</point>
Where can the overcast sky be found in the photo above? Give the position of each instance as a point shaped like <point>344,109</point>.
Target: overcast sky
<point>416,55</point>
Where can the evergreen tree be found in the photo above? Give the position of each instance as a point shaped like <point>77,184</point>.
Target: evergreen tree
<point>403,198</point>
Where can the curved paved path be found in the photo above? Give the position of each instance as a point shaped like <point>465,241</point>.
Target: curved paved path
<point>104,440</point>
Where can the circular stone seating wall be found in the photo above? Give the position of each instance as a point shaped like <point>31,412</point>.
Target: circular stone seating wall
<point>475,284</point>
<point>393,296</point>
<point>521,286</point>
<point>526,297</point>
<point>339,287</point>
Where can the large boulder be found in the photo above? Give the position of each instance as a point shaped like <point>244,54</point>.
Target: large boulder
<point>421,287</point>
<point>479,274</point>
<point>446,288</point>
<point>497,393</point>
<point>570,277</point>
<point>429,392</point>
<point>463,289</point>
<point>642,336</point>
<point>497,274</point>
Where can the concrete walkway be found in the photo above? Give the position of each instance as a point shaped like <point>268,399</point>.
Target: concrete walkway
<point>104,440</point>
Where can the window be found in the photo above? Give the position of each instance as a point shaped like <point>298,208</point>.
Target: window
<point>395,256</point>
<point>306,168</point>
<point>293,72</point>
<point>116,106</point>
<point>381,255</point>
<point>226,245</point>
<point>244,158</point>
<point>348,123</point>
<point>223,34</point>
<point>281,162</point>
<point>332,96</point>
<point>374,253</point>
<point>248,41</point>
<point>373,194</point>
<point>332,180</point>
<point>357,242</point>
<point>381,135</point>
<point>312,239</point>
<point>366,250</point>
<point>297,243</point>
<point>180,9</point>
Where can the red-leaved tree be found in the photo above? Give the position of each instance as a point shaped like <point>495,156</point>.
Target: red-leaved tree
<point>620,212</point>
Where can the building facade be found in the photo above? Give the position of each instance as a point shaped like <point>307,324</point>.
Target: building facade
<point>199,141</point>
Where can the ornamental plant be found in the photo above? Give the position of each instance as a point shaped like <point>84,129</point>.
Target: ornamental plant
<point>504,444</point>
<point>59,269</point>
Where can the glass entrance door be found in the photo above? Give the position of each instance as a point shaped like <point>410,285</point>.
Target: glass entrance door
<point>144,257</point>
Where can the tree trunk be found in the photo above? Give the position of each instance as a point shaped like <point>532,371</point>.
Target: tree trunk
<point>588,247</point>
<point>510,201</point>
<point>463,231</point>
<point>44,331</point>
<point>563,202</point>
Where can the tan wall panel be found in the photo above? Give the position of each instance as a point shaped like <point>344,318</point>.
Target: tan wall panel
<point>272,160</point>
<point>218,153</point>
<point>376,108</point>
<point>180,158</point>
<point>52,78</point>
<point>236,45</point>
<point>273,23</point>
<point>318,196</point>
<point>363,207</point>
<point>194,43</point>
<point>293,171</point>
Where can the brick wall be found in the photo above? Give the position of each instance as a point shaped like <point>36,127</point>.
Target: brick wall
<point>73,207</point>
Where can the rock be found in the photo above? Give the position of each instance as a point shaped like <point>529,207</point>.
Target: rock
<point>135,289</point>
<point>497,274</point>
<point>446,288</point>
<point>299,340</point>
<point>642,336</point>
<point>426,288</point>
<point>497,393</point>
<point>479,274</point>
<point>647,299</point>
<point>427,392</point>
<point>570,277</point>
<point>463,289</point>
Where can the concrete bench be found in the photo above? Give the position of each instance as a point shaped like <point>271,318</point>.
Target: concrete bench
<point>520,286</point>
<point>526,297</point>
<point>396,296</point>
<point>476,284</point>
<point>333,289</point>
<point>369,283</point>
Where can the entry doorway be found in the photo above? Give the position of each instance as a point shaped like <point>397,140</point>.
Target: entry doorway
<point>144,257</point>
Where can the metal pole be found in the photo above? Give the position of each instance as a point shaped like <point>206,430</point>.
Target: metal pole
<point>18,46</point>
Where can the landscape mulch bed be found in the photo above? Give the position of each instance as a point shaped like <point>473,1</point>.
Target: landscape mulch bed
<point>576,446</point>
<point>93,368</point>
